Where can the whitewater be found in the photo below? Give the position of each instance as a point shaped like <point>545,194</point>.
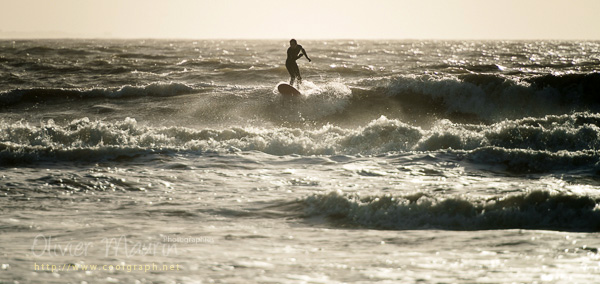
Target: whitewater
<point>177,161</point>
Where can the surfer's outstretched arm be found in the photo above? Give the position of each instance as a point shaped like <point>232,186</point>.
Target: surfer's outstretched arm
<point>304,53</point>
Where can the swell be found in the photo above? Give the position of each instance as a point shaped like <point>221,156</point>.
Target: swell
<point>46,51</point>
<point>540,210</point>
<point>37,95</point>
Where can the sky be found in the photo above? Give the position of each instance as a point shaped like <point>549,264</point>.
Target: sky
<point>305,19</point>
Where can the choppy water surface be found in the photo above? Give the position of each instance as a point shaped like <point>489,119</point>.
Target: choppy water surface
<point>404,161</point>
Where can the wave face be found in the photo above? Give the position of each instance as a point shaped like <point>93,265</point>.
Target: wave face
<point>533,210</point>
<point>496,97</point>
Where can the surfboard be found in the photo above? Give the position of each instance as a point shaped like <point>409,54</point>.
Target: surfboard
<point>288,90</point>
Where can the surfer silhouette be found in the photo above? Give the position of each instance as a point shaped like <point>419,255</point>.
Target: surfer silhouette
<point>294,52</point>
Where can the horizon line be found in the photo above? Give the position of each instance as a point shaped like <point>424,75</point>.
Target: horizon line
<point>8,38</point>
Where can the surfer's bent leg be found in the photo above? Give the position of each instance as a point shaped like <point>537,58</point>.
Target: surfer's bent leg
<point>294,72</point>
<point>297,73</point>
<point>289,65</point>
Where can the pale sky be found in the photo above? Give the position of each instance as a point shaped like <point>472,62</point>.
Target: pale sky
<point>305,19</point>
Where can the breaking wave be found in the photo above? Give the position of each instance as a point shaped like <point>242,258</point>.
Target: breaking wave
<point>532,210</point>
<point>493,97</point>
<point>530,145</point>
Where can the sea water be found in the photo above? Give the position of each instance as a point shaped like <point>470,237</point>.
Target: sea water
<point>162,161</point>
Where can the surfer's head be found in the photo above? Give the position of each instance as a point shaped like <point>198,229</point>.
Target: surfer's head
<point>293,43</point>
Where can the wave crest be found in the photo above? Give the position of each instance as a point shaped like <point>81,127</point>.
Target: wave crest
<point>533,210</point>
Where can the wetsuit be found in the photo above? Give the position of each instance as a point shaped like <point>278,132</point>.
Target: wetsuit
<point>291,65</point>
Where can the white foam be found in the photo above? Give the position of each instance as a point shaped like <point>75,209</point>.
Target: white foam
<point>522,144</point>
<point>319,101</point>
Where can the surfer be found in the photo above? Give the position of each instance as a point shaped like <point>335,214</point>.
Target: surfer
<point>293,54</point>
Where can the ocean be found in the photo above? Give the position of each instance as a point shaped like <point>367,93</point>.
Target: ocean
<point>177,161</point>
